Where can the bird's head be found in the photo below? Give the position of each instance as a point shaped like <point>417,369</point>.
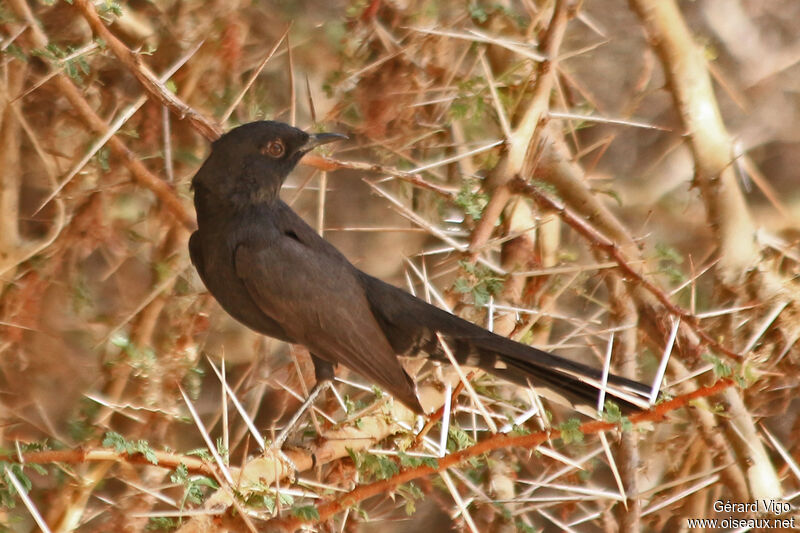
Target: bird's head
<point>250,163</point>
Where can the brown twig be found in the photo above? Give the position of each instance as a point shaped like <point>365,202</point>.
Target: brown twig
<point>690,86</point>
<point>329,164</point>
<point>612,250</point>
<point>80,456</point>
<point>523,140</point>
<point>160,188</point>
<point>133,62</point>
<point>495,442</point>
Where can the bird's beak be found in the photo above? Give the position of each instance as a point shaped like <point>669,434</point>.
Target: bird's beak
<point>317,139</point>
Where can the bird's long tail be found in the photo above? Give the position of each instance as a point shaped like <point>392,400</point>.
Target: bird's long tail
<point>554,377</point>
<point>416,328</point>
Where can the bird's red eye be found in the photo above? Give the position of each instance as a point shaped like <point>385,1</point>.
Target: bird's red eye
<point>274,149</point>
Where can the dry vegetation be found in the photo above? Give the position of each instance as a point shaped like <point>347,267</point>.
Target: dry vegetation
<point>605,179</point>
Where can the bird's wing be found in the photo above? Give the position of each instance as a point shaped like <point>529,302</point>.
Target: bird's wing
<point>316,297</point>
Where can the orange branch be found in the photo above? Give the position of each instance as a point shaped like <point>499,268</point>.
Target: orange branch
<point>531,440</point>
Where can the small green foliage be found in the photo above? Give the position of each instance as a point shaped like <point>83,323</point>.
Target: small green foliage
<point>75,66</point>
<point>471,107</point>
<point>524,528</point>
<point>458,110</point>
<point>101,157</point>
<point>15,51</point>
<point>571,431</point>
<point>81,295</point>
<point>81,427</point>
<point>410,494</point>
<point>721,369</point>
<point>612,413</point>
<point>668,260</point>
<point>306,512</point>
<point>478,13</point>
<point>372,467</point>
<point>747,375</point>
<point>479,281</point>
<point>143,360</point>
<point>355,406</point>
<point>34,446</point>
<point>7,16</point>
<point>162,523</point>
<point>349,404</point>
<point>163,270</point>
<point>121,445</point>
<point>469,104</point>
<point>378,466</point>
<point>356,8</point>
<point>266,499</point>
<point>202,453</point>
<point>192,485</point>
<point>108,10</point>
<point>222,450</point>
<point>332,80</point>
<point>585,475</point>
<point>458,439</point>
<point>310,431</point>
<point>411,461</point>
<point>8,491</point>
<point>518,430</point>
<point>471,199</point>
<point>504,511</point>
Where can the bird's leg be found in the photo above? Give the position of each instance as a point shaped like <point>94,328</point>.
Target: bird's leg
<point>324,373</point>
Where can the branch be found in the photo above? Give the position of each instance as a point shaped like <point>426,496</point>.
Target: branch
<point>161,189</point>
<point>523,140</point>
<point>609,247</point>
<point>208,128</point>
<point>495,442</point>
<point>690,86</point>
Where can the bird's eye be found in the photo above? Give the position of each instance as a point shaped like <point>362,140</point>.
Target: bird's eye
<point>274,149</point>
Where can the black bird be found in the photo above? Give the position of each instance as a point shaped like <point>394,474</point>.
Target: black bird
<point>272,272</point>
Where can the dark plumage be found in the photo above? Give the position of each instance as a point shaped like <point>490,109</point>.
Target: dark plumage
<point>272,272</point>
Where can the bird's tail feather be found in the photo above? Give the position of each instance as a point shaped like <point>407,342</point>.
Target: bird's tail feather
<point>554,377</point>
<point>413,327</point>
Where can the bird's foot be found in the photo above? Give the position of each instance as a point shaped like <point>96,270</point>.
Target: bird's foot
<point>290,425</point>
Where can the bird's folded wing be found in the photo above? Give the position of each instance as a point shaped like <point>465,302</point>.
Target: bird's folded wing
<point>318,300</point>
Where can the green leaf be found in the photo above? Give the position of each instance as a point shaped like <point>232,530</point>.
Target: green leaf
<point>121,445</point>
<point>721,369</point>
<point>571,431</point>
<point>306,512</point>
<point>471,199</point>
<point>478,13</point>
<point>158,523</point>
<point>612,413</point>
<point>458,439</point>
<point>410,461</point>
<point>479,281</point>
